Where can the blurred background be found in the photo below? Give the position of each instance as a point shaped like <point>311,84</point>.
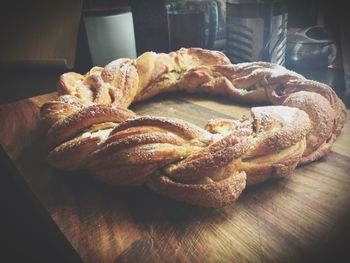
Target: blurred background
<point>42,39</point>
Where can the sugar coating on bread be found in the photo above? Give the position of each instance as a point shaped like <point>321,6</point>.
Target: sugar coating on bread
<point>90,127</point>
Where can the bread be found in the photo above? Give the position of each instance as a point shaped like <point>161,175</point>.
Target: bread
<point>90,127</point>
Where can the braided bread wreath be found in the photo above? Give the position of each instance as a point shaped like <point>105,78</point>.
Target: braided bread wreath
<point>90,127</point>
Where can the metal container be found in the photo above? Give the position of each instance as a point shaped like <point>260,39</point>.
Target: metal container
<point>256,30</point>
<point>310,47</point>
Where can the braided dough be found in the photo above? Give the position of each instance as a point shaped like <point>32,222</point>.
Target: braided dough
<point>90,127</point>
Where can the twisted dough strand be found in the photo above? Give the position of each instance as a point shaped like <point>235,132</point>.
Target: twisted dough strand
<point>90,127</point>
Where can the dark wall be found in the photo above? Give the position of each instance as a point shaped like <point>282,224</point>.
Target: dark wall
<point>150,25</point>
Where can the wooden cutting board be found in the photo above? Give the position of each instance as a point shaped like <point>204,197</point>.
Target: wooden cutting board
<point>278,221</point>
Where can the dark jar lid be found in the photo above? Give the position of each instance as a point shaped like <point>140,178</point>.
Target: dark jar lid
<point>254,1</point>
<point>96,12</point>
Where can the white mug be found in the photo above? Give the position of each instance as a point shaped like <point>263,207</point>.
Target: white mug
<point>110,36</point>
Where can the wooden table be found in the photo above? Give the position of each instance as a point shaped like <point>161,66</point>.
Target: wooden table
<point>278,221</point>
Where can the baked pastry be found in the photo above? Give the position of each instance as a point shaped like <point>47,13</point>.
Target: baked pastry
<point>90,127</point>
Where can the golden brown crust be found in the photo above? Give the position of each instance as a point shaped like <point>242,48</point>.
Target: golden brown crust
<point>123,74</point>
<point>150,141</point>
<point>123,175</point>
<point>275,144</point>
<point>66,128</point>
<point>185,129</point>
<point>213,194</point>
<point>275,165</point>
<point>209,161</point>
<point>72,154</point>
<point>61,108</point>
<point>281,92</point>
<point>277,128</point>
<point>322,117</point>
<point>247,82</point>
<point>90,127</point>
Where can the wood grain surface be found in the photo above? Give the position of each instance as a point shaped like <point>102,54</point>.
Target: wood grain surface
<point>286,220</point>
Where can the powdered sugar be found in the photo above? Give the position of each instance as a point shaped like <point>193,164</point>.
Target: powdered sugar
<point>210,137</point>
<point>68,99</point>
<point>102,134</point>
<point>242,92</point>
<point>283,113</point>
<point>277,71</point>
